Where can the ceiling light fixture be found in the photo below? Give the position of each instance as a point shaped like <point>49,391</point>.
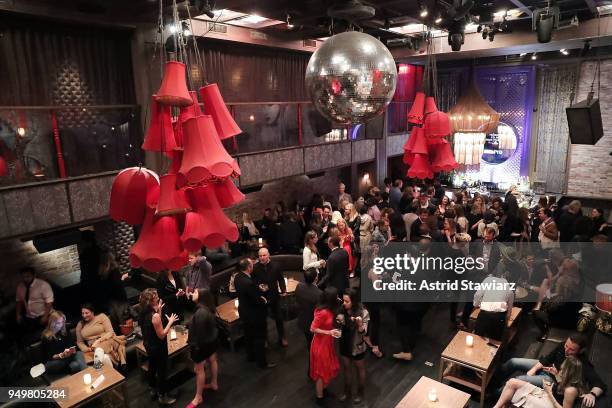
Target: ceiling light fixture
<point>438,20</point>
<point>424,12</point>
<point>534,56</point>
<point>564,51</point>
<point>289,22</point>
<point>491,35</point>
<point>522,54</point>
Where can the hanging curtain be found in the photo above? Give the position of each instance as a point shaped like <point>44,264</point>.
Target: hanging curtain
<point>554,88</point>
<point>250,73</point>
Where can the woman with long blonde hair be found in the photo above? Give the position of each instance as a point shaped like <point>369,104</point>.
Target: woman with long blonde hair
<point>59,348</point>
<point>563,392</point>
<point>346,238</point>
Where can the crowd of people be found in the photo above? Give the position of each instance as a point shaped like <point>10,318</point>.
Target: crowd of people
<point>338,238</point>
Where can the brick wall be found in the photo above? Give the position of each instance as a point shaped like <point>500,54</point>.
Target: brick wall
<point>17,254</point>
<point>590,167</point>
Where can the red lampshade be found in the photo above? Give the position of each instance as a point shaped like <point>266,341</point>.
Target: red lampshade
<point>133,190</point>
<point>171,200</point>
<point>420,167</point>
<point>420,143</point>
<point>177,159</point>
<point>408,158</point>
<point>160,135</point>
<point>173,90</point>
<point>207,225</point>
<point>158,246</point>
<point>204,157</point>
<point>437,124</point>
<point>227,193</point>
<point>603,297</point>
<point>215,106</point>
<point>3,167</point>
<point>442,157</point>
<point>430,105</point>
<point>416,114</point>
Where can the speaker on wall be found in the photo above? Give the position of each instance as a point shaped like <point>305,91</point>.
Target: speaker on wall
<point>584,122</point>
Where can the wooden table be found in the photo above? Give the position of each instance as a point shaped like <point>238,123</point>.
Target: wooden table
<point>229,320</point>
<point>511,323</point>
<point>178,354</point>
<point>80,394</point>
<point>479,358</point>
<point>448,397</point>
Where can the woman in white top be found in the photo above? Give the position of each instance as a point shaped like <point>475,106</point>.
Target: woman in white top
<point>247,222</point>
<point>310,255</point>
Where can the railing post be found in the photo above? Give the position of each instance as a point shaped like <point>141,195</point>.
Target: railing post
<point>58,146</point>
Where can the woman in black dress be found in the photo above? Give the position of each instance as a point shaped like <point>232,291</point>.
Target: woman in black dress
<point>353,320</point>
<point>202,341</point>
<point>171,290</point>
<point>154,339</point>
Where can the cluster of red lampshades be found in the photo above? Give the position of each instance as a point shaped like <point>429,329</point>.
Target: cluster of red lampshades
<point>181,211</point>
<point>427,151</point>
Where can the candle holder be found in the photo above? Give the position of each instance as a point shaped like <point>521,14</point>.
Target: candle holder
<point>469,341</point>
<point>432,395</point>
<point>87,379</point>
<point>172,334</point>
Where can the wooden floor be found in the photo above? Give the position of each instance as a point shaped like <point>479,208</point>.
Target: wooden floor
<point>244,385</point>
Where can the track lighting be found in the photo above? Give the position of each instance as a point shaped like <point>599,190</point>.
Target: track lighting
<point>438,20</point>
<point>424,12</point>
<point>289,22</point>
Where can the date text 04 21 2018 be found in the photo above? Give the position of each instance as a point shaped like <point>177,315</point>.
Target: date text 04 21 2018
<point>32,394</point>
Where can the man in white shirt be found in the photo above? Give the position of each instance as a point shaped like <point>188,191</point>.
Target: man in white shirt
<point>34,298</point>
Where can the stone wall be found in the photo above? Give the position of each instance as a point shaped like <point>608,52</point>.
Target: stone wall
<point>17,254</point>
<point>590,167</point>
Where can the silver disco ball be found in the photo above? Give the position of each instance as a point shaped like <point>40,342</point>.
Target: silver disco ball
<point>351,78</point>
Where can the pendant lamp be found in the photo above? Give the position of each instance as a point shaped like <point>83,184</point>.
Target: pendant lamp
<point>160,135</point>
<point>417,111</point>
<point>204,156</point>
<point>207,225</point>
<point>227,193</point>
<point>158,246</point>
<point>472,113</point>
<point>442,157</point>
<point>420,167</point>
<point>171,200</point>
<point>173,90</point>
<point>134,189</point>
<point>215,107</point>
<point>420,142</point>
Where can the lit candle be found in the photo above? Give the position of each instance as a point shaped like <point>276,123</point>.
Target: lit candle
<point>236,303</point>
<point>469,341</point>
<point>87,379</point>
<point>433,395</point>
<point>172,334</point>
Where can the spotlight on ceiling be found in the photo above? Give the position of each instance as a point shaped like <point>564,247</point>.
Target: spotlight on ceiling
<point>289,22</point>
<point>522,54</point>
<point>172,28</point>
<point>564,51</point>
<point>479,29</point>
<point>534,56</point>
<point>485,32</point>
<point>424,12</point>
<point>456,35</point>
<point>491,35</point>
<point>438,20</point>
<point>186,30</point>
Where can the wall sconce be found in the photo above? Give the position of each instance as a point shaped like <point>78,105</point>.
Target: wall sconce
<point>252,117</point>
<point>21,131</point>
<point>366,178</point>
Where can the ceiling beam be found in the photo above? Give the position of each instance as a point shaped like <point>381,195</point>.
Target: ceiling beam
<point>523,7</point>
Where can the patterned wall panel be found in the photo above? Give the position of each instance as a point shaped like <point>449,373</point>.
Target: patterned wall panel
<point>90,197</point>
<point>327,156</point>
<point>364,150</point>
<point>395,144</point>
<point>4,222</point>
<point>36,208</point>
<point>590,167</point>
<point>259,168</point>
<point>117,237</point>
<point>555,85</point>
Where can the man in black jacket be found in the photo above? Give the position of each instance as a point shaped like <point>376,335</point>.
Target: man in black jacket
<point>337,267</point>
<point>267,272</point>
<point>307,295</point>
<point>252,309</point>
<point>488,249</point>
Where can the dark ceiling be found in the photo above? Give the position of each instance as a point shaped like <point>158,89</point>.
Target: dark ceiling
<point>310,17</point>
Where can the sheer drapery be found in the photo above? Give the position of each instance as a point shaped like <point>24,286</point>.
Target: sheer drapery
<point>554,88</point>
<point>249,73</point>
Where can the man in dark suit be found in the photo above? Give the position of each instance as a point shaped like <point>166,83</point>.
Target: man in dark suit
<point>307,295</point>
<point>252,309</point>
<point>488,249</point>
<point>415,228</point>
<point>337,266</point>
<point>267,272</point>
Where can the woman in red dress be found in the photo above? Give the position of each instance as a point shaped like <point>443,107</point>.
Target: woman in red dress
<point>346,238</point>
<point>324,364</point>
